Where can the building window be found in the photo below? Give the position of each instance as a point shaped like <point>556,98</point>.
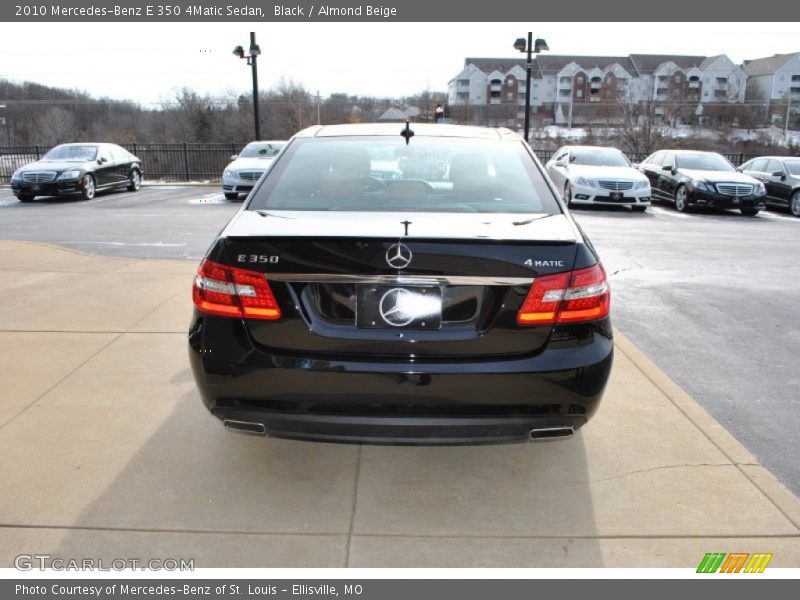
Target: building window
<point>795,78</point>
<point>722,80</point>
<point>579,94</point>
<point>496,82</point>
<point>677,78</point>
<point>462,95</point>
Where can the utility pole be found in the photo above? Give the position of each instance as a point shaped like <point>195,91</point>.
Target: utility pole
<point>786,120</point>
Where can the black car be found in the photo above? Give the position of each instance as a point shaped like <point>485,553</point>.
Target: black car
<point>82,169</point>
<point>693,178</point>
<point>453,305</point>
<point>780,176</point>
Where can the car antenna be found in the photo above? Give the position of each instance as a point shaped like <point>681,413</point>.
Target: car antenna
<point>407,132</point>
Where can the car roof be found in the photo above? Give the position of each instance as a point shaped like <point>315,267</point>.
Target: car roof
<point>422,129</point>
<point>267,142</point>
<point>684,151</point>
<point>775,158</point>
<point>582,147</point>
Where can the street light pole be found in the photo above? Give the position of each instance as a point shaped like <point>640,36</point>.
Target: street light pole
<point>252,60</point>
<point>529,48</point>
<point>528,86</point>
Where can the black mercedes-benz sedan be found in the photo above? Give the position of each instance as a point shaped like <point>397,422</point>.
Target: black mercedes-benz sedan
<point>83,169</point>
<point>456,303</point>
<point>694,178</point>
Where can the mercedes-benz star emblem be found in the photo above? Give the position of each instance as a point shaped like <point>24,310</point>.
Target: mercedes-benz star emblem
<point>394,307</point>
<point>398,256</point>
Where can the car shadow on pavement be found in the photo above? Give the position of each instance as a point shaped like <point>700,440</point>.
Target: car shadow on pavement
<point>192,489</point>
<point>611,211</point>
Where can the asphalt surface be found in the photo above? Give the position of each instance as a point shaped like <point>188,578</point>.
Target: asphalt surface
<point>711,298</point>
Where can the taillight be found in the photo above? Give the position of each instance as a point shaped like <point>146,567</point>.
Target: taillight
<point>581,295</point>
<point>231,292</point>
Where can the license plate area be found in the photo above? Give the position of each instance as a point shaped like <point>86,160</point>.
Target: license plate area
<point>398,307</point>
<point>617,195</point>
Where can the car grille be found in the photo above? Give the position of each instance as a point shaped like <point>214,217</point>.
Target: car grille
<point>39,176</point>
<point>250,175</point>
<point>615,186</point>
<point>735,189</point>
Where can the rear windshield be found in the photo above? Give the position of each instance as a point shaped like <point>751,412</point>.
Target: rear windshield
<point>430,174</point>
<point>703,162</point>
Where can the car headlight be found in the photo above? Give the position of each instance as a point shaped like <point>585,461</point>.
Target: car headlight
<point>759,189</point>
<point>642,185</point>
<point>702,185</point>
<point>73,174</point>
<point>584,181</point>
<point>229,173</point>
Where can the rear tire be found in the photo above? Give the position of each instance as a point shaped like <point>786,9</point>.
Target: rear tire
<point>749,212</point>
<point>134,181</point>
<point>682,199</point>
<point>88,190</point>
<point>233,196</point>
<point>794,204</point>
<point>25,197</point>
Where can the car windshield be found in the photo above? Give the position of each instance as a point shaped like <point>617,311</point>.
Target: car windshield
<point>72,153</point>
<point>381,173</point>
<point>703,162</point>
<point>793,166</point>
<point>265,150</point>
<point>600,157</point>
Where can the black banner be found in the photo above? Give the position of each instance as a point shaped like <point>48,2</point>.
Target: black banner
<point>392,10</point>
<point>731,588</point>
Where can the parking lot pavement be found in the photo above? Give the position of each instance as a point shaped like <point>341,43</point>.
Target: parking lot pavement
<point>108,453</point>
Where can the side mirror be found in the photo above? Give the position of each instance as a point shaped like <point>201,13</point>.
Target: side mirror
<point>234,156</point>
<point>780,174</point>
<point>101,160</point>
<point>669,168</point>
<point>561,163</point>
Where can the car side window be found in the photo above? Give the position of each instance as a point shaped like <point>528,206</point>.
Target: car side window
<point>773,166</point>
<point>758,165</point>
<point>103,153</point>
<point>655,159</point>
<point>669,160</point>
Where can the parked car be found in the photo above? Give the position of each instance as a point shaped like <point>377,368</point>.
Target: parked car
<point>694,178</point>
<point>781,178</point>
<point>84,169</point>
<point>467,307</point>
<point>241,175</point>
<point>598,175</point>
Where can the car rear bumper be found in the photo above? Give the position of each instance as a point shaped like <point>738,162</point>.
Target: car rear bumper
<point>459,401</point>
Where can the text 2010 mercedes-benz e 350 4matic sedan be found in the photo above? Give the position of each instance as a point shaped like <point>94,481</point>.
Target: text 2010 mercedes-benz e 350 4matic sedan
<point>456,303</point>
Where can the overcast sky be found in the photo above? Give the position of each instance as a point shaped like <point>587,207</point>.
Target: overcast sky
<point>146,63</point>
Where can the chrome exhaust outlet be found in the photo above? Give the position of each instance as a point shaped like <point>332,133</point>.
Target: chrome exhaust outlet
<point>248,427</point>
<point>550,434</point>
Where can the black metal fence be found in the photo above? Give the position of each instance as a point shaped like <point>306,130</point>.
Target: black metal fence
<point>203,162</point>
<point>160,162</point>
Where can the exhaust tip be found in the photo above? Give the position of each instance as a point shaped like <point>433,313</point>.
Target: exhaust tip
<point>248,427</point>
<point>550,434</point>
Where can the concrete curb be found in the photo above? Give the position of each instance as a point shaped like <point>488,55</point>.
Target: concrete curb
<point>783,499</point>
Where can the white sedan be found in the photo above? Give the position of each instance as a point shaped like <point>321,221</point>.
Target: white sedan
<point>600,176</point>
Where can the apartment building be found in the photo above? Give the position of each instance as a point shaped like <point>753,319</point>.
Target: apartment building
<point>775,80</point>
<point>568,85</point>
